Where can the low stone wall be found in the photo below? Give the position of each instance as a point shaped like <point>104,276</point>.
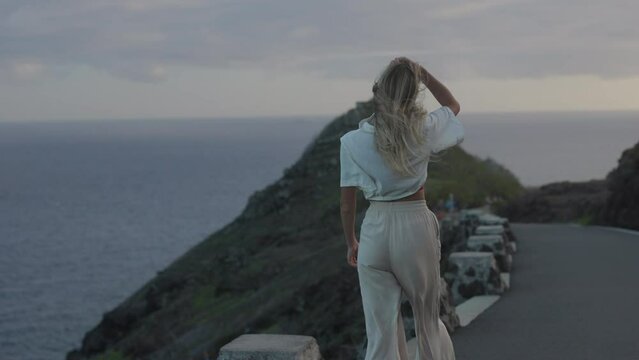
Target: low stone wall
<point>481,259</point>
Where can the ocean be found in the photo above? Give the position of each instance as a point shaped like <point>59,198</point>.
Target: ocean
<point>91,210</point>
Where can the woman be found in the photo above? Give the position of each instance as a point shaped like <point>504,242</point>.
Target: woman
<point>399,248</point>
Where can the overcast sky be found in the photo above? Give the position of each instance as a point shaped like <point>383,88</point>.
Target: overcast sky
<point>85,59</point>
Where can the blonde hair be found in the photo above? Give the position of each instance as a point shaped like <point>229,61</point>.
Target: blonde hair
<point>399,119</point>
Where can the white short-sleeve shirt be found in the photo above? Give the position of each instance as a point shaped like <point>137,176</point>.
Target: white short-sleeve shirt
<point>362,166</point>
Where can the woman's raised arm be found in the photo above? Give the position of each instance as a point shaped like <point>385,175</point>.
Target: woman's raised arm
<point>439,91</point>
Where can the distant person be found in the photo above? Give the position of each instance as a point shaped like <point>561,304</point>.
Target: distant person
<point>399,249</point>
<point>450,203</point>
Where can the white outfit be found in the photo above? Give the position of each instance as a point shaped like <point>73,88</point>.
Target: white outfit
<point>399,244</point>
<point>364,167</point>
<point>399,252</point>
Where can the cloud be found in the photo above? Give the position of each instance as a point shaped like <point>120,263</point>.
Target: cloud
<point>146,5</point>
<point>136,39</point>
<point>27,69</point>
<point>465,9</point>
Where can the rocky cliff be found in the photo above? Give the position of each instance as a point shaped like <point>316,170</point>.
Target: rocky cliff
<point>612,201</point>
<point>562,201</point>
<point>279,267</point>
<point>622,206</point>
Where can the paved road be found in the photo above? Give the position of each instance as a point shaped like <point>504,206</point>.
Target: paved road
<point>574,295</point>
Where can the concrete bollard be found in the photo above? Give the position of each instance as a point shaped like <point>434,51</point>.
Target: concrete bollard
<point>492,243</point>
<point>471,273</point>
<point>495,244</point>
<point>491,219</point>
<point>271,347</point>
<point>489,230</point>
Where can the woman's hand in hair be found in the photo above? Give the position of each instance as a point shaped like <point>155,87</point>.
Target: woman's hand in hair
<point>440,91</point>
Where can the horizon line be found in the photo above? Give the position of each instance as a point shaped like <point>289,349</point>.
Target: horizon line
<point>307,117</point>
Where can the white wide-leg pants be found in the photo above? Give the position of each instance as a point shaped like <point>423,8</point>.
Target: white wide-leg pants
<point>399,251</point>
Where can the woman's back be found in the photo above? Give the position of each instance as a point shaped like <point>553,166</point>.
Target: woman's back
<point>362,166</point>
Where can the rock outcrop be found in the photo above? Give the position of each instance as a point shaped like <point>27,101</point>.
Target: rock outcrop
<point>612,201</point>
<point>562,201</point>
<point>622,205</point>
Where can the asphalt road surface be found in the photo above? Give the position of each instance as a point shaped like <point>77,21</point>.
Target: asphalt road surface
<point>574,295</point>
